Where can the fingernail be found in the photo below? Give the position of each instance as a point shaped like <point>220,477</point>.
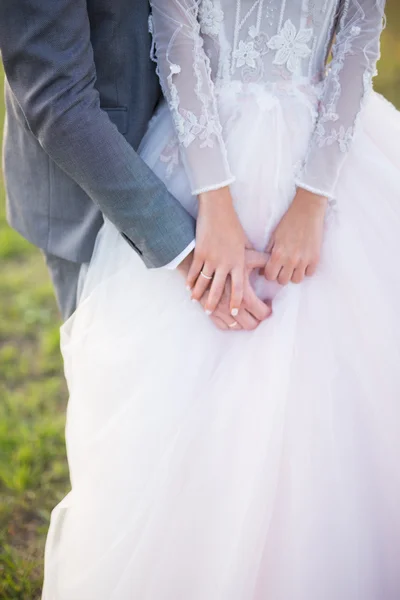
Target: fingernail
<point>209,312</point>
<point>188,288</point>
<point>234,312</point>
<point>194,300</point>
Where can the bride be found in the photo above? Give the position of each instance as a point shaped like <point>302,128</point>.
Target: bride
<point>256,465</point>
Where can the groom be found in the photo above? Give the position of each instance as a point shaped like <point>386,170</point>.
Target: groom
<point>80,91</point>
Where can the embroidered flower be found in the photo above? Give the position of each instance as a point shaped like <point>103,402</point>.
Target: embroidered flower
<point>260,40</point>
<point>174,69</point>
<point>246,54</point>
<point>342,136</point>
<point>210,17</point>
<point>170,157</point>
<point>188,127</point>
<point>291,46</point>
<point>327,114</point>
<point>345,138</point>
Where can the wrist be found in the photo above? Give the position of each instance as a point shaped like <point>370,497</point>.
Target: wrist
<point>222,195</point>
<point>311,199</point>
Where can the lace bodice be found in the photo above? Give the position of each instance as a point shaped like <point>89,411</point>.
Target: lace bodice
<point>201,45</point>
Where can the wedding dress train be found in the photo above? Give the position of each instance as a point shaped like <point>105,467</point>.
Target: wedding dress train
<point>260,465</point>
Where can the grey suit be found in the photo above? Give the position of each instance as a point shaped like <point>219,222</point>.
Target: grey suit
<point>80,91</point>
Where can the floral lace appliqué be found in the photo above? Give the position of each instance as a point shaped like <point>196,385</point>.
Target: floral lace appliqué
<point>246,54</point>
<point>211,18</point>
<point>291,46</point>
<point>328,114</point>
<point>342,136</point>
<point>170,157</point>
<point>249,55</point>
<point>188,125</point>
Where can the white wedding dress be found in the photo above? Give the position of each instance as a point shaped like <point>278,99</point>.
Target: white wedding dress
<point>260,465</point>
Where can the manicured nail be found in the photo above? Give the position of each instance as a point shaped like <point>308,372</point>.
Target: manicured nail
<point>194,300</point>
<point>234,312</point>
<point>188,288</point>
<point>209,312</point>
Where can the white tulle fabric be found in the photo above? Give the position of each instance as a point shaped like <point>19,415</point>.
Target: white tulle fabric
<point>201,45</point>
<point>251,466</point>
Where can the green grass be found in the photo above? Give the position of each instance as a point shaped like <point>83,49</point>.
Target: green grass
<point>33,470</point>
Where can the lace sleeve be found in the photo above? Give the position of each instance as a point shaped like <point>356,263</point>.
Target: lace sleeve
<point>185,76</point>
<point>347,84</point>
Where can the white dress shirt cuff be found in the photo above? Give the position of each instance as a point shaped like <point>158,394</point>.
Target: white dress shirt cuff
<point>177,261</point>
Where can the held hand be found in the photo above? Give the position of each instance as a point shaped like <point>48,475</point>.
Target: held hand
<point>252,311</point>
<point>295,245</point>
<point>219,252</point>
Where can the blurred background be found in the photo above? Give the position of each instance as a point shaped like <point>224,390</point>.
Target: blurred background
<point>33,469</point>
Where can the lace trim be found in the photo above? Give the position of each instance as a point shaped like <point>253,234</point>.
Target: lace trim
<point>212,188</point>
<point>330,197</point>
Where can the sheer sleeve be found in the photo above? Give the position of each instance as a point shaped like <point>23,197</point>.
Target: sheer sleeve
<point>185,76</point>
<point>347,84</point>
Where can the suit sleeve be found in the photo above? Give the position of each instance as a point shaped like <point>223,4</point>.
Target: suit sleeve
<point>48,60</point>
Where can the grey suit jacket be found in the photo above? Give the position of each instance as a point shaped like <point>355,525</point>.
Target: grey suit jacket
<point>80,91</point>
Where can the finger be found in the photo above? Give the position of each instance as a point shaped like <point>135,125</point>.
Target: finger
<point>256,260</point>
<point>311,269</point>
<point>270,246</point>
<point>256,307</point>
<point>202,283</point>
<point>219,323</point>
<point>237,282</point>
<point>246,320</point>
<point>216,290</point>
<point>285,274</point>
<point>227,319</point>
<point>273,266</point>
<point>298,275</point>
<point>194,271</point>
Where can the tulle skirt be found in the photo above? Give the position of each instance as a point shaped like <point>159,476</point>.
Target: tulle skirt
<point>209,465</point>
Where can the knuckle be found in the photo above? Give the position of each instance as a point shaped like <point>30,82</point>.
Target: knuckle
<point>302,264</point>
<point>198,254</point>
<point>296,258</point>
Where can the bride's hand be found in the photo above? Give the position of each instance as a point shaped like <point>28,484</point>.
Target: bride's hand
<point>220,251</point>
<point>295,245</point>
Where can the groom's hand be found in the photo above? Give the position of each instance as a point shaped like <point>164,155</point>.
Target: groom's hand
<point>252,310</point>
